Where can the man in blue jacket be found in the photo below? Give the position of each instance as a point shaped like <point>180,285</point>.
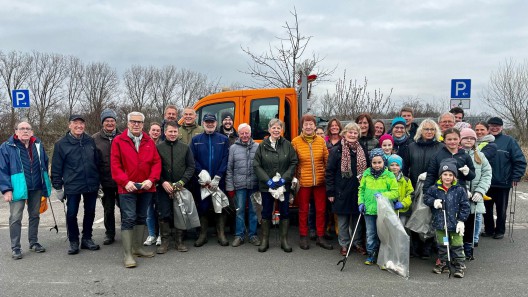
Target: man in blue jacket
<point>211,152</point>
<point>24,178</point>
<point>508,168</point>
<point>74,167</point>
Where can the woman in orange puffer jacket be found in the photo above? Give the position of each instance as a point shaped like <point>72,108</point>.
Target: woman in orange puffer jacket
<point>313,155</point>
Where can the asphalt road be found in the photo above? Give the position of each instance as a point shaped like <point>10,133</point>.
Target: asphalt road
<point>212,270</point>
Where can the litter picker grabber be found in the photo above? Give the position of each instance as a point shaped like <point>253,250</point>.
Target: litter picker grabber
<point>446,242</point>
<point>344,260</point>
<point>513,202</point>
<point>53,214</point>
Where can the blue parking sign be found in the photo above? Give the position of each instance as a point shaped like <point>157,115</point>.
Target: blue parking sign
<point>20,98</point>
<point>461,88</point>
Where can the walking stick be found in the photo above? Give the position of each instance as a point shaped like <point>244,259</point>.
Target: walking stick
<point>344,260</point>
<point>446,242</point>
<point>53,214</point>
<point>511,221</point>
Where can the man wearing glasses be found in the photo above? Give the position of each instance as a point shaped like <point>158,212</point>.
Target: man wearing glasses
<point>136,167</point>
<point>74,167</point>
<point>446,121</point>
<point>23,178</point>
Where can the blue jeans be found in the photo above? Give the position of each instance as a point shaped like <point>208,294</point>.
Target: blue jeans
<point>372,234</point>
<point>152,217</point>
<point>478,224</point>
<point>72,203</point>
<point>243,197</point>
<point>16,210</point>
<point>134,209</point>
<point>268,203</point>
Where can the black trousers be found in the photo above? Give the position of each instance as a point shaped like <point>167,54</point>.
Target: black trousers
<point>499,198</point>
<point>110,200</point>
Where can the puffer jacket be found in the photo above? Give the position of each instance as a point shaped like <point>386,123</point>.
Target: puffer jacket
<point>417,158</point>
<point>343,189</point>
<point>186,133</point>
<point>405,189</point>
<point>486,145</point>
<point>103,144</point>
<point>268,161</point>
<point>482,180</point>
<point>240,172</point>
<point>509,164</point>
<point>312,161</point>
<point>385,184</point>
<point>460,157</point>
<point>455,201</point>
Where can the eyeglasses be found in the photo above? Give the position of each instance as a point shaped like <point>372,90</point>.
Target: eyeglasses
<point>398,128</point>
<point>24,129</point>
<point>429,129</point>
<point>135,122</point>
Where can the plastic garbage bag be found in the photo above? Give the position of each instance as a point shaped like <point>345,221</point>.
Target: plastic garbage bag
<point>421,216</point>
<point>394,241</point>
<point>219,198</point>
<point>185,212</point>
<point>256,201</point>
<point>204,179</point>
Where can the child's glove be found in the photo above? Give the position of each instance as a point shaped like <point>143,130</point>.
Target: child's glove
<point>362,208</point>
<point>460,228</point>
<point>464,170</point>
<point>398,205</point>
<point>477,197</point>
<point>438,204</point>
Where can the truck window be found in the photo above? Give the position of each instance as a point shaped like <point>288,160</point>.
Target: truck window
<point>216,109</point>
<point>262,111</point>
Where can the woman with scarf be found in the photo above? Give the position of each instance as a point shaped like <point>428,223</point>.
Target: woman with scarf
<point>346,163</point>
<point>400,136</point>
<point>313,155</point>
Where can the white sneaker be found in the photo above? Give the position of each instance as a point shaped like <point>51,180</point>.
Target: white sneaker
<point>150,240</point>
<point>158,241</point>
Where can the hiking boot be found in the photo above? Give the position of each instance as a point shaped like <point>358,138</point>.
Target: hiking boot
<point>265,236</point>
<point>37,248</point>
<point>74,248</point>
<point>88,244</point>
<point>312,234</point>
<point>16,254</point>
<point>150,241</point>
<point>108,240</point>
<point>359,249</point>
<point>202,238</point>
<point>322,243</point>
<point>238,241</point>
<point>254,240</point>
<point>440,267</point>
<point>303,243</point>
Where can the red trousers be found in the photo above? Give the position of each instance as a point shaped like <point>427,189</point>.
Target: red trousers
<point>303,197</point>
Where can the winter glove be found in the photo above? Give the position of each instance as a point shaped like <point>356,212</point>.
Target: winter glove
<point>422,176</point>
<point>438,204</point>
<point>271,184</point>
<point>178,186</point>
<point>477,197</point>
<point>460,228</point>
<point>59,195</point>
<point>362,208</point>
<point>464,170</point>
<point>281,182</point>
<point>215,182</point>
<point>398,205</point>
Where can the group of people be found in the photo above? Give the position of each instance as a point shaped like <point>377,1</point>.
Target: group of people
<point>335,175</point>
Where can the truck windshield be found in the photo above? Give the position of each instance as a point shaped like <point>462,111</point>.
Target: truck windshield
<point>262,111</point>
<point>217,110</point>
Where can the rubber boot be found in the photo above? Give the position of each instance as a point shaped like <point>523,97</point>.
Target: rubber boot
<point>284,225</point>
<point>220,227</point>
<point>137,243</point>
<point>127,236</point>
<point>180,247</point>
<point>264,244</point>
<point>202,238</point>
<point>165,238</point>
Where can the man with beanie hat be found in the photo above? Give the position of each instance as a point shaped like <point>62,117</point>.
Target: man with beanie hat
<point>227,127</point>
<point>103,142</point>
<point>508,168</point>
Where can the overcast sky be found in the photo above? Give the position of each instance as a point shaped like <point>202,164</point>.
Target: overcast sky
<point>414,47</point>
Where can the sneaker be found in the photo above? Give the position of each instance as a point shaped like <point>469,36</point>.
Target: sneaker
<point>459,273</point>
<point>158,241</point>
<point>498,236</point>
<point>37,248</point>
<point>440,267</point>
<point>370,260</point>
<point>150,240</point>
<point>238,241</point>
<point>74,248</point>
<point>88,244</point>
<point>108,240</point>
<point>16,254</point>
<point>254,240</point>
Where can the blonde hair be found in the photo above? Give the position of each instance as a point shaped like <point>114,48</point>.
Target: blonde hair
<point>351,126</point>
<point>421,127</point>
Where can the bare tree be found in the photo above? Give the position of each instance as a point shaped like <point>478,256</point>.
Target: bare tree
<point>280,65</point>
<point>193,86</point>
<point>15,69</point>
<point>507,95</point>
<point>46,82</point>
<point>74,86</point>
<point>421,109</point>
<point>163,87</point>
<point>138,81</point>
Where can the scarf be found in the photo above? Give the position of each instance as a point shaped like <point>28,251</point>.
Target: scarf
<point>400,140</point>
<point>399,176</point>
<point>361,162</point>
<point>110,135</point>
<point>135,139</point>
<point>308,138</point>
<point>376,173</point>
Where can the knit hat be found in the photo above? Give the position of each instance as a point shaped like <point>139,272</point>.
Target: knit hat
<point>226,115</point>
<point>395,159</point>
<point>108,113</point>
<point>385,137</point>
<point>448,164</point>
<point>467,132</point>
<point>398,120</point>
<point>377,152</point>
<point>462,125</point>
<point>495,121</point>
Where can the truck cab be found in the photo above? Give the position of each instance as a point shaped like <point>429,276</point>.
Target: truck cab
<point>254,107</point>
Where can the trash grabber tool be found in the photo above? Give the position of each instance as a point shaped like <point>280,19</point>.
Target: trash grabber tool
<point>53,214</point>
<point>511,221</point>
<point>446,242</point>
<point>344,260</point>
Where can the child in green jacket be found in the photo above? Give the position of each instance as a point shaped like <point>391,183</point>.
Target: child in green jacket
<point>405,189</point>
<point>375,180</point>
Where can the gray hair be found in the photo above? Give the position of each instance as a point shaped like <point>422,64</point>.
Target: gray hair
<point>429,122</point>
<point>274,122</point>
<point>244,125</point>
<point>446,114</point>
<point>22,121</point>
<point>351,126</point>
<point>136,113</point>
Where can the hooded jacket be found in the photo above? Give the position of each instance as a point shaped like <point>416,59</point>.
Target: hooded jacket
<point>240,172</point>
<point>385,184</point>
<point>405,190</point>
<point>268,161</point>
<point>455,201</point>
